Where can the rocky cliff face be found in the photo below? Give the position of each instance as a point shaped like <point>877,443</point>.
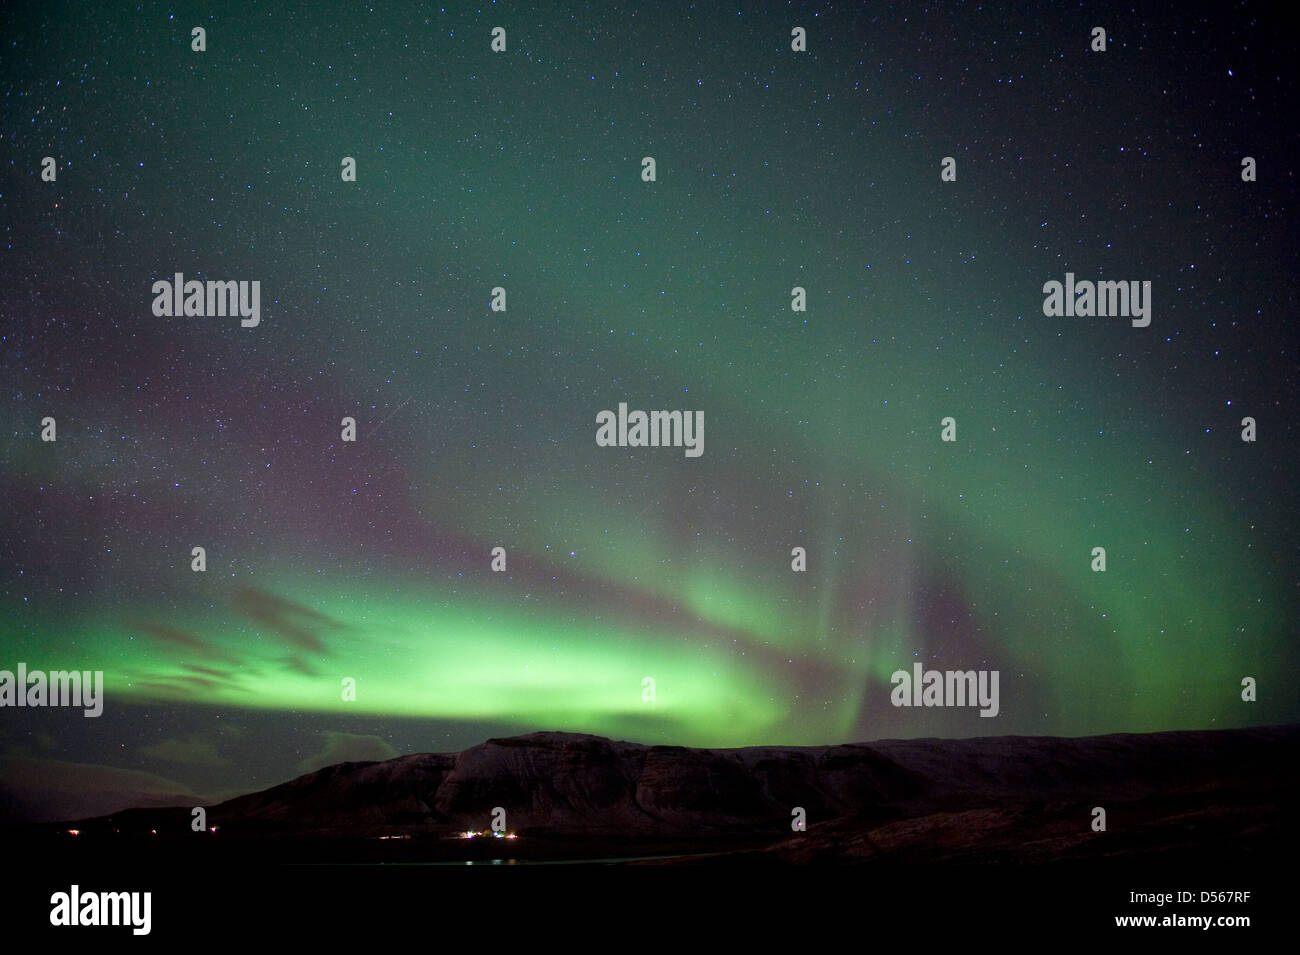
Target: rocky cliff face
<point>558,782</point>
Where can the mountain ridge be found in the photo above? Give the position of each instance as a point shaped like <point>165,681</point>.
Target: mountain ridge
<point>1015,797</point>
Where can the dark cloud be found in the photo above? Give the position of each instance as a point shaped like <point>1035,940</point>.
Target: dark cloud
<point>194,750</point>
<point>347,748</point>
<point>287,618</point>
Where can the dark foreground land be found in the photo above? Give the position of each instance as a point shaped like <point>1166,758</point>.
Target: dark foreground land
<point>1002,826</point>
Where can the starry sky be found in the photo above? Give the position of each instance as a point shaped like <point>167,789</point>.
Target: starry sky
<point>370,560</point>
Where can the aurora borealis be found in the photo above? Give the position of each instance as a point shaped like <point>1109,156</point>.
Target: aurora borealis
<point>370,560</point>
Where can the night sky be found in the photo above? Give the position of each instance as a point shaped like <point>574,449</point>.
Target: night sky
<point>476,428</point>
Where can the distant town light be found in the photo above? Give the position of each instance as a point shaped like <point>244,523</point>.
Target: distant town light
<point>484,832</point>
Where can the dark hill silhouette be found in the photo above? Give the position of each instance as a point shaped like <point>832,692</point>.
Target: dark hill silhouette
<point>1024,799</point>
